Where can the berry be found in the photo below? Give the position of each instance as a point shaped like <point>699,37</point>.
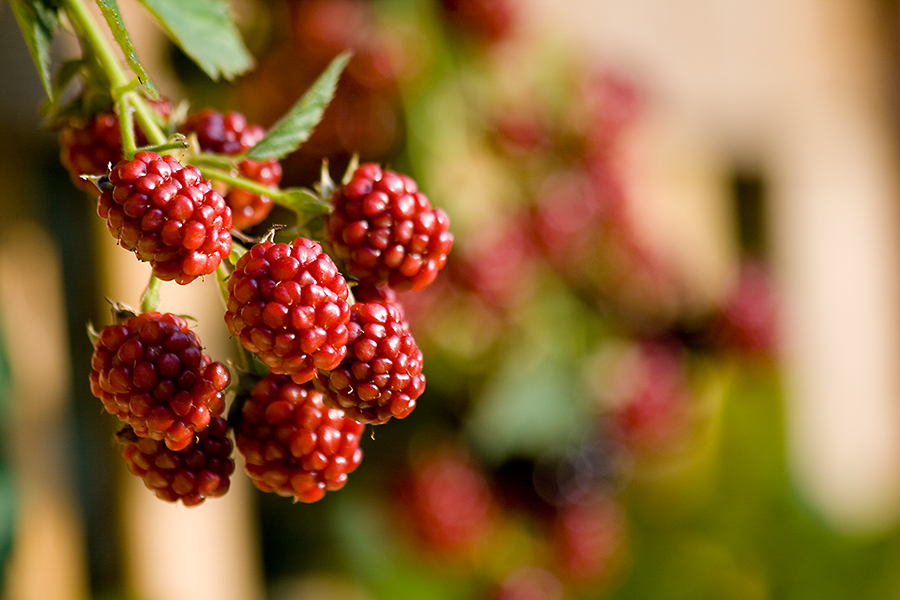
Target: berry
<point>229,133</point>
<point>202,469</point>
<point>386,231</point>
<point>587,539</point>
<point>151,372</point>
<point>381,376</point>
<point>287,303</point>
<point>651,394</point>
<point>293,444</point>
<point>488,20</point>
<point>168,215</point>
<point>449,501</point>
<point>90,148</point>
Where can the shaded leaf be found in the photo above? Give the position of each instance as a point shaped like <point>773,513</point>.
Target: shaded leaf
<point>113,17</point>
<point>206,32</point>
<point>295,127</point>
<point>39,23</point>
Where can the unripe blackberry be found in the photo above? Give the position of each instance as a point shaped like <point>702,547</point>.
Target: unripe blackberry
<point>202,469</point>
<point>293,444</point>
<point>151,372</point>
<point>168,215</point>
<point>381,376</point>
<point>90,148</point>
<point>385,230</point>
<point>229,133</point>
<point>287,303</point>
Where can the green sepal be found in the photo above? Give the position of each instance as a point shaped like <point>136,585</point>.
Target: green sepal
<point>206,32</point>
<point>39,22</point>
<point>295,127</point>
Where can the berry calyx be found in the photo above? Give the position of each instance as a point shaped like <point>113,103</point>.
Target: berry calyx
<point>287,303</point>
<point>381,376</point>
<point>229,133</point>
<point>293,444</point>
<point>201,470</point>
<point>168,215</point>
<point>386,231</point>
<point>151,372</point>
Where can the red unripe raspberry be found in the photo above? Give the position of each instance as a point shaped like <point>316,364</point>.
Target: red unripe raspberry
<point>229,133</point>
<point>386,231</point>
<point>91,148</point>
<point>287,303</point>
<point>151,372</point>
<point>168,215</point>
<point>293,444</point>
<point>202,469</point>
<point>381,376</point>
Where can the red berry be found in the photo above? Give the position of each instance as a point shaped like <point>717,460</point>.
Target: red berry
<point>587,539</point>
<point>381,376</point>
<point>651,393</point>
<point>168,215</point>
<point>151,372</point>
<point>449,501</point>
<point>488,20</point>
<point>293,444</point>
<point>91,148</point>
<point>229,133</point>
<point>386,231</point>
<point>287,303</point>
<point>202,469</point>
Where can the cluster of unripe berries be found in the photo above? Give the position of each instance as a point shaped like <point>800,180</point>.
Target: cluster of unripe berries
<point>337,360</point>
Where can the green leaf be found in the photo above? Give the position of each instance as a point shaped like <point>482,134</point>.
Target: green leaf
<point>206,32</point>
<point>39,23</point>
<point>113,17</point>
<point>298,123</point>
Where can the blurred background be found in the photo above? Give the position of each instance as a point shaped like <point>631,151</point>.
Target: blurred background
<point>661,361</point>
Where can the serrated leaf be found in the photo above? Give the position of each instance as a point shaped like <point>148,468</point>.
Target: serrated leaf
<point>113,17</point>
<point>295,127</point>
<point>38,22</point>
<point>206,32</point>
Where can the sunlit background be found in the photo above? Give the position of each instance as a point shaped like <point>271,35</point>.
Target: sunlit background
<point>662,361</point>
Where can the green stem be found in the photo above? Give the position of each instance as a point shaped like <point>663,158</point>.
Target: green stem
<point>122,86</point>
<point>91,35</point>
<point>126,125</point>
<point>275,194</point>
<point>150,297</point>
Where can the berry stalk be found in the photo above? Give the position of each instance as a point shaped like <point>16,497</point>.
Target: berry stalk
<point>122,87</point>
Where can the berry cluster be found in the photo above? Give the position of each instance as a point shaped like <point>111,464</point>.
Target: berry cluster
<point>168,215</point>
<point>386,230</point>
<point>202,469</point>
<point>151,372</point>
<point>294,445</point>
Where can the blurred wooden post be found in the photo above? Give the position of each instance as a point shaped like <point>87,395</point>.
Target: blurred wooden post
<point>173,552</point>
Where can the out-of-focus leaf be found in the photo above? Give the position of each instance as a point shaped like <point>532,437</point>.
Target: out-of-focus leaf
<point>38,21</point>
<point>206,32</point>
<point>113,17</point>
<point>295,127</point>
<point>530,407</point>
